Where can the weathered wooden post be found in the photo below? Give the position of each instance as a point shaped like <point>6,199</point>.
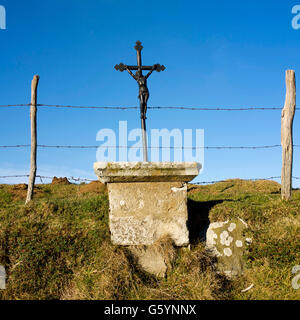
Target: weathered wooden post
<point>287,117</point>
<point>33,110</point>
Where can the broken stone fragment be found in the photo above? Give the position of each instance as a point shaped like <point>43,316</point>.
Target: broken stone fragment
<point>2,277</point>
<point>155,259</point>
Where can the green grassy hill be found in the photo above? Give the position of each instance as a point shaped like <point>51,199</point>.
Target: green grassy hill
<point>58,247</point>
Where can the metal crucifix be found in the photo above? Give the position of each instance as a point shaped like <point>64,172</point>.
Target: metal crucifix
<point>143,89</point>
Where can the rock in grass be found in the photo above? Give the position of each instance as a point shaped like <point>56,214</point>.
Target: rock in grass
<point>227,243</point>
<point>2,277</point>
<point>155,259</point>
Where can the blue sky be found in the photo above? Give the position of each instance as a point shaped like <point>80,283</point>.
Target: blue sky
<point>217,54</point>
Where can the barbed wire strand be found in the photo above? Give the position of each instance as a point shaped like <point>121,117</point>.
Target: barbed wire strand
<point>252,179</point>
<point>149,147</point>
<point>45,177</point>
<point>67,106</point>
<point>193,183</point>
<point>150,107</point>
<point>14,105</point>
<point>217,181</point>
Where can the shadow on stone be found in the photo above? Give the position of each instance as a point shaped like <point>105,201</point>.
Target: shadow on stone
<point>198,218</point>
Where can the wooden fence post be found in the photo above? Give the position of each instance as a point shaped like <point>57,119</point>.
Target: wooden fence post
<point>287,117</point>
<point>33,110</point>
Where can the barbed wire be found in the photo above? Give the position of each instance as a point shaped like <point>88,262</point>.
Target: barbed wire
<point>150,107</point>
<point>67,106</point>
<point>45,177</point>
<point>14,105</point>
<point>69,178</point>
<point>252,179</point>
<point>16,176</point>
<point>16,146</point>
<point>149,147</point>
<point>86,107</point>
<point>194,183</point>
<point>163,147</point>
<point>218,108</point>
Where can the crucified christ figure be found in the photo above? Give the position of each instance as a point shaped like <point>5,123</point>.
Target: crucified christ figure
<point>143,89</point>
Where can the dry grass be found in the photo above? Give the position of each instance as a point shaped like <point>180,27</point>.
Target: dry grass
<point>92,187</point>
<point>108,276</point>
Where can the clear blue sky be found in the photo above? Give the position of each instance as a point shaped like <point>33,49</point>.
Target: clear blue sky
<point>217,54</point>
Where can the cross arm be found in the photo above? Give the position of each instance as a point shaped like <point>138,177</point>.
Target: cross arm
<point>156,67</point>
<point>121,67</point>
<point>159,67</point>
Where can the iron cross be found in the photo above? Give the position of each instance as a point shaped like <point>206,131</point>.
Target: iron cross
<point>143,89</point>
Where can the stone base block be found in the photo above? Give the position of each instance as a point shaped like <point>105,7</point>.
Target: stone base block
<point>148,200</point>
<point>143,212</point>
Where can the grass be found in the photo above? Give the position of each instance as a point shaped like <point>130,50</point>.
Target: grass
<point>59,246</point>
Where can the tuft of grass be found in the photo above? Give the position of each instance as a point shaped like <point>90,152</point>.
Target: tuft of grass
<point>108,275</point>
<point>5,197</point>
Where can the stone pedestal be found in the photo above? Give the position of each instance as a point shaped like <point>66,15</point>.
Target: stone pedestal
<point>147,200</point>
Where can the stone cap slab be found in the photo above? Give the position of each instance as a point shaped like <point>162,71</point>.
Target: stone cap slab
<point>109,172</point>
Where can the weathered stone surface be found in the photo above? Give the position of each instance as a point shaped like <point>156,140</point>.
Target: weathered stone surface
<point>147,200</point>
<point>226,241</point>
<point>2,277</point>
<point>142,213</point>
<point>155,259</point>
<point>146,171</point>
